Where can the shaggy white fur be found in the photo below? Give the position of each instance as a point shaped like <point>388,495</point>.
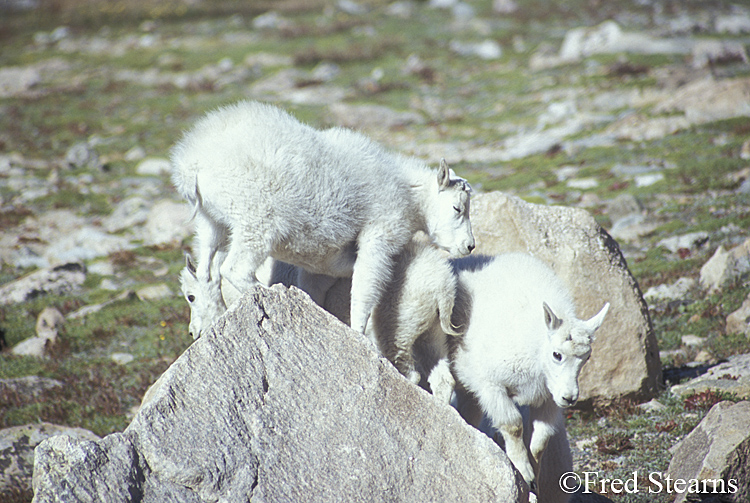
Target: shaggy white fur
<point>331,202</point>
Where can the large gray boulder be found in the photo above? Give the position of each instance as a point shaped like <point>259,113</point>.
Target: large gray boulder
<point>281,402</point>
<point>713,458</point>
<point>625,357</point>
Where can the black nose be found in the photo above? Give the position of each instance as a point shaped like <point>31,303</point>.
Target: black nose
<point>570,400</point>
<point>471,248</point>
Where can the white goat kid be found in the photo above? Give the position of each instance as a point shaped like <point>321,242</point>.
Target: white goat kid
<point>415,311</point>
<point>331,202</point>
<point>523,345</point>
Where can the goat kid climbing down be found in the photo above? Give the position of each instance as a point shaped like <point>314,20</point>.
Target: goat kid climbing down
<point>332,202</point>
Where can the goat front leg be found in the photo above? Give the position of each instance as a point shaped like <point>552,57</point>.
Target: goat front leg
<point>441,381</point>
<point>372,269</point>
<point>543,421</point>
<point>507,419</point>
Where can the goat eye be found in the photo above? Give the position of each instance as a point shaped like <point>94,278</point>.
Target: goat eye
<point>191,298</point>
<point>557,356</point>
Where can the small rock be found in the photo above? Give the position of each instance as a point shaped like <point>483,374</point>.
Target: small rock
<point>37,347</point>
<point>738,322</point>
<point>745,152</point>
<point>167,223</point>
<point>716,450</point>
<point>487,49</point>
<point>29,386</point>
<point>352,8</point>
<point>583,183</point>
<point>504,6</point>
<point>732,23</point>
<point>708,53</point>
<point>127,214</point>
<point>135,154</point>
<point>690,241</point>
<point>59,280</point>
<point>154,292</point>
<point>585,443</point>
<point>18,80</point>
<point>632,227</point>
<point>154,167</point>
<point>732,376</point>
<point>93,308</point>
<point>725,267</point>
<point>693,340</point>
<point>122,358</point>
<point>676,291</point>
<point>703,356</point>
<point>653,406</point>
<point>373,116</point>
<point>17,451</point>
<point>270,21</point>
<point>82,155</point>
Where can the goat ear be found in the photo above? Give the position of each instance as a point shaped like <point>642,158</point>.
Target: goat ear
<point>190,264</point>
<point>596,321</point>
<point>552,321</point>
<point>444,175</point>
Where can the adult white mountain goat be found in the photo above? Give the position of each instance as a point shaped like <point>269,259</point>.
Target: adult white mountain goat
<point>332,202</point>
<point>523,345</point>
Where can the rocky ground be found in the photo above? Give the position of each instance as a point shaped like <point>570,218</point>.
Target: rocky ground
<point>636,111</point>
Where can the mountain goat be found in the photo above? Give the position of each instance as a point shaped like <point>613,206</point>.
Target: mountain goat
<point>523,346</point>
<point>331,202</point>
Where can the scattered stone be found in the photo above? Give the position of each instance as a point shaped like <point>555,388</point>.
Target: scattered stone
<point>691,241</point>
<point>652,406</point>
<point>738,322</point>
<point>17,451</point>
<point>715,452</point>
<point>708,53</point>
<point>732,376</point>
<point>18,80</point>
<point>623,206</point>
<point>625,359</point>
<point>583,183</point>
<point>154,292</point>
<point>679,290</point>
<point>29,386</point>
<point>154,167</point>
<point>60,280</point>
<point>487,49</point>
<point>693,340</point>
<point>632,228</point>
<point>93,308</point>
<point>725,267</point>
<point>351,8</point>
<point>135,154</point>
<point>168,222</point>
<point>504,6</point>
<point>736,23</point>
<point>271,20</point>
<point>708,100</point>
<point>609,38</point>
<point>223,423</point>
<point>82,155</point>
<point>370,117</point>
<point>127,214</point>
<point>122,358</point>
<point>86,243</point>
